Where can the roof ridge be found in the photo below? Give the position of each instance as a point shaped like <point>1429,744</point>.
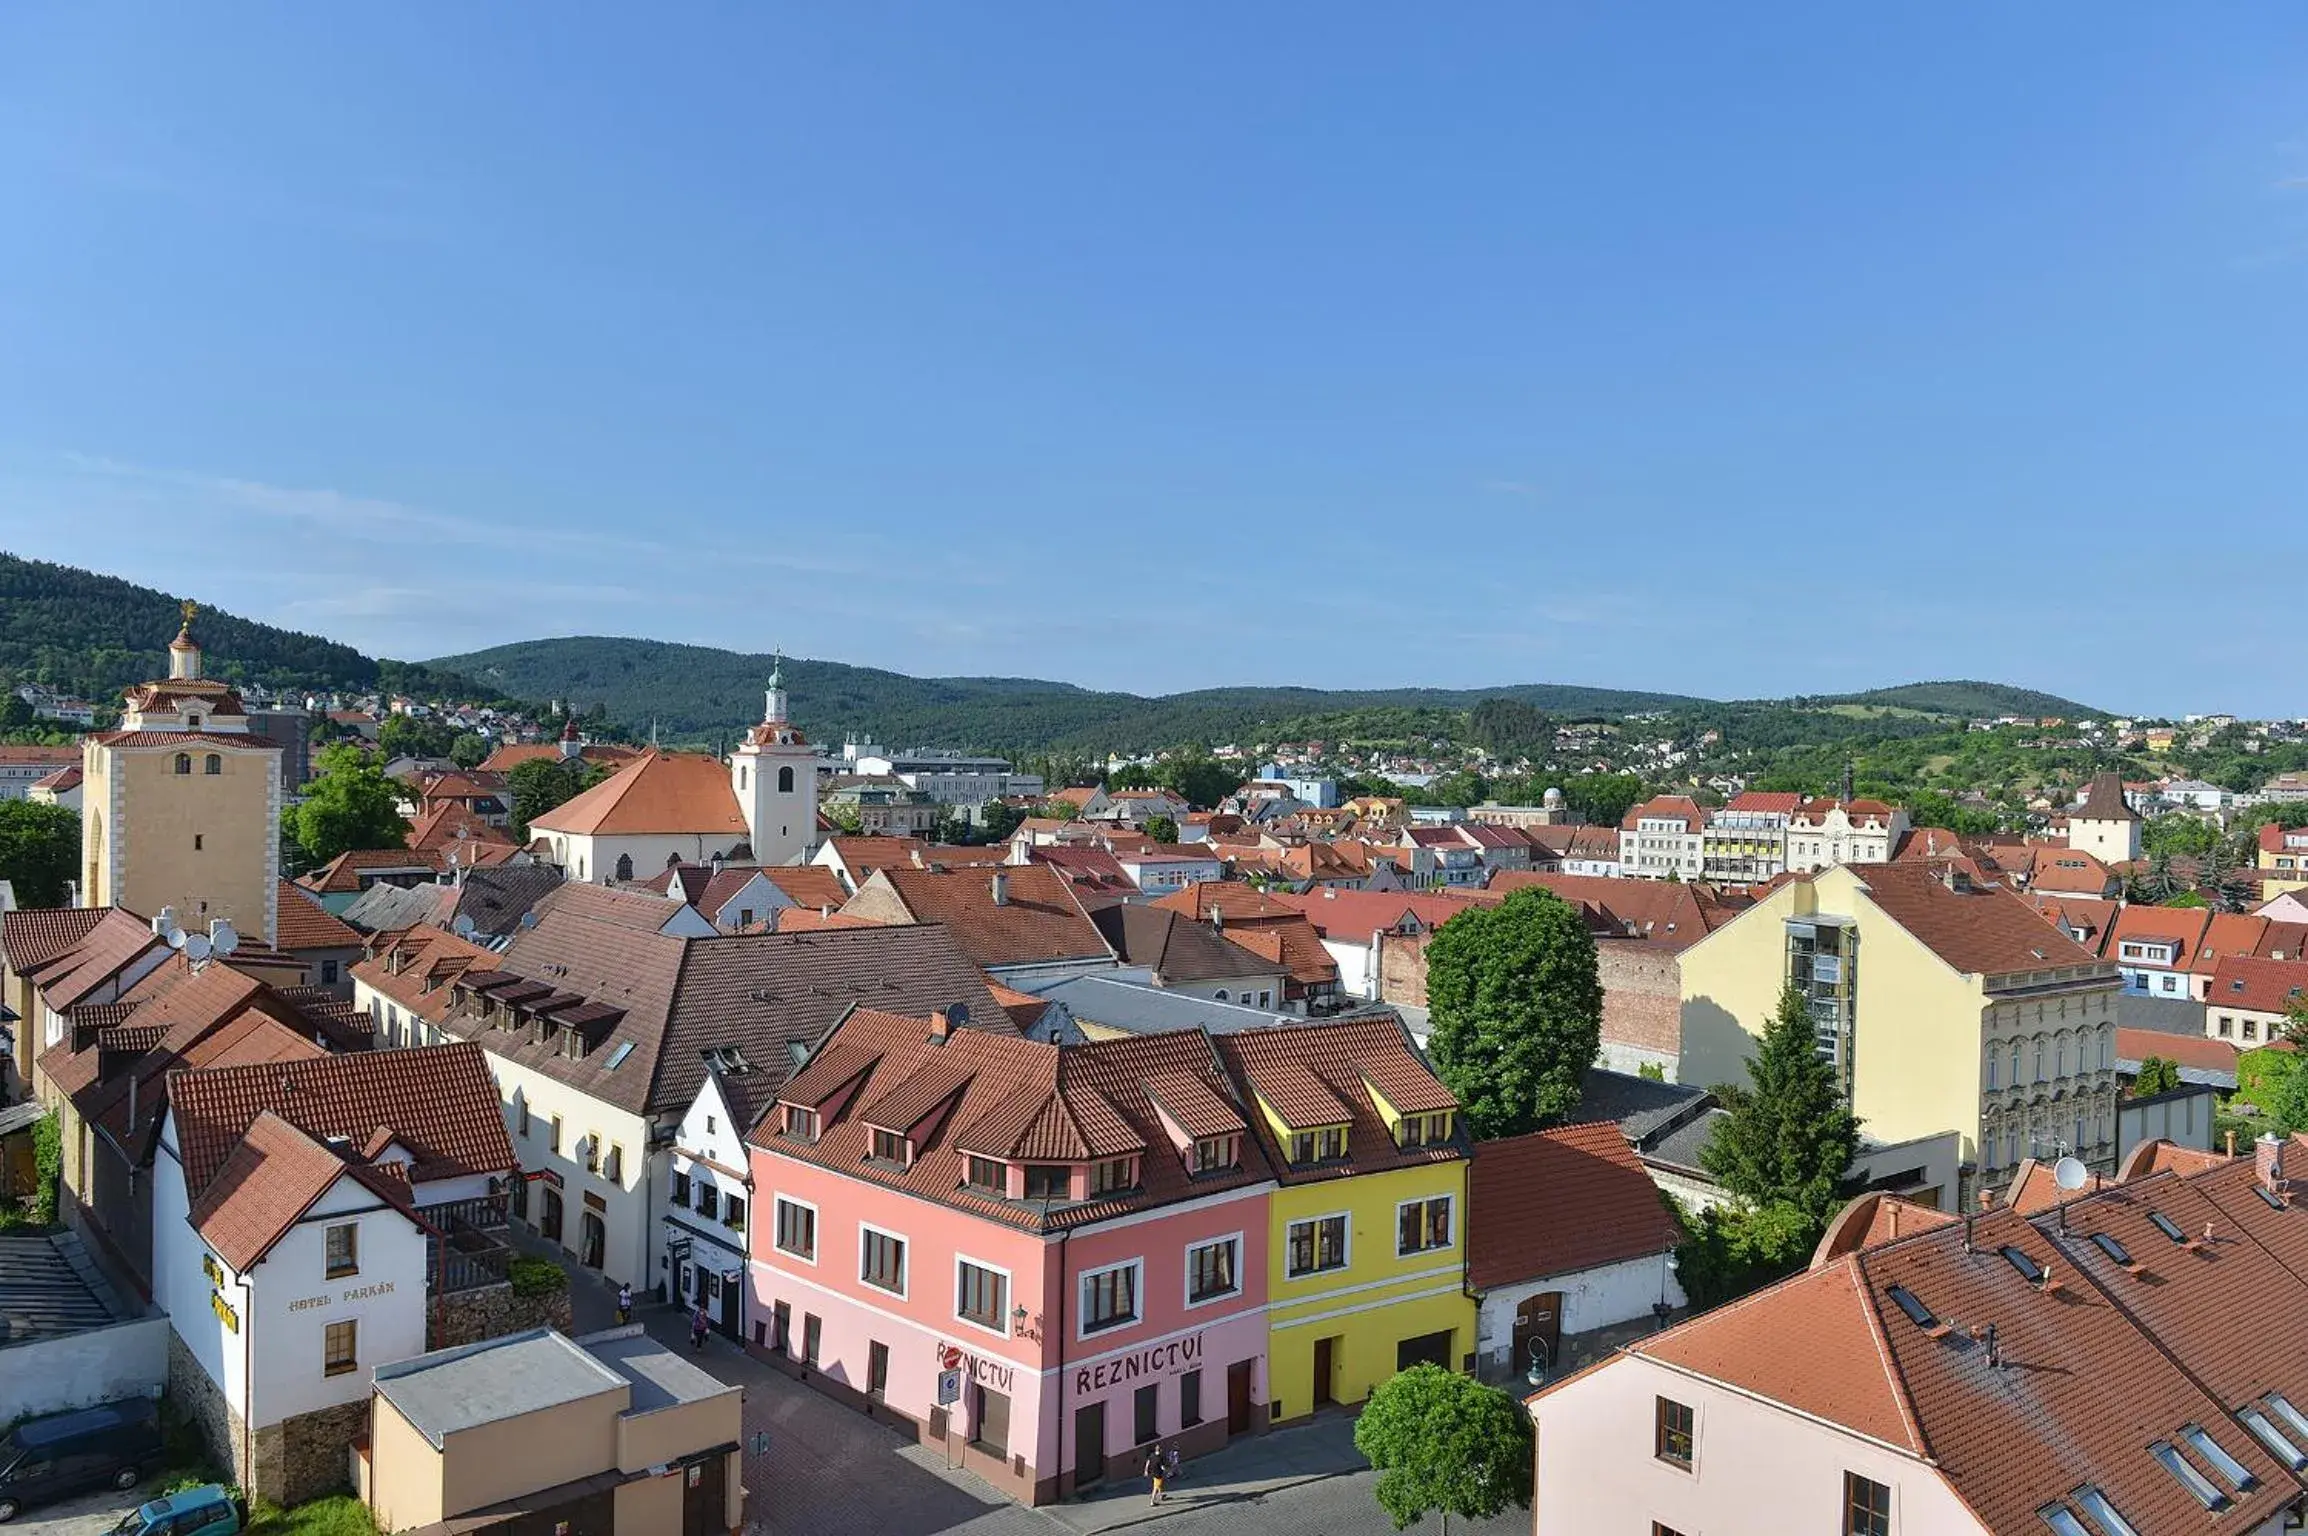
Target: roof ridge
<point>1900,1396</point>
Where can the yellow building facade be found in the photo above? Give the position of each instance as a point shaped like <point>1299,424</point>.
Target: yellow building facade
<point>1945,1006</point>
<point>1366,1268</point>
<point>180,807</point>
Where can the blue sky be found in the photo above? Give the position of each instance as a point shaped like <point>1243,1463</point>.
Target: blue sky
<point>1723,349</point>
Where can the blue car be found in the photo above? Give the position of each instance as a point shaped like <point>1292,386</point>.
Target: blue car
<point>209,1510</point>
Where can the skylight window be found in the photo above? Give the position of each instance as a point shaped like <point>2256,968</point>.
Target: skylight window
<point>2289,1414</point>
<point>2273,1438</point>
<point>2096,1505</point>
<point>2109,1246</point>
<point>2229,1469</point>
<point>1912,1305</point>
<point>2268,1197</point>
<point>617,1057</point>
<point>2029,1269</point>
<point>2198,1485</point>
<point>2062,1521</point>
<point>2167,1226</point>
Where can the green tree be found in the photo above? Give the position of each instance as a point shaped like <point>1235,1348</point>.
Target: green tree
<point>350,804</point>
<point>844,819</point>
<point>408,736</point>
<point>1516,1010</point>
<point>1602,799</point>
<point>1444,1444</point>
<point>1160,828</point>
<point>39,850</point>
<point>1789,1137</point>
<point>997,821</point>
<point>2220,883</point>
<point>1510,728</point>
<point>2156,884</point>
<point>2179,835</point>
<point>1199,779</point>
<point>1733,1249</point>
<point>2261,1075</point>
<point>16,712</point>
<point>539,785</point>
<point>2157,1075</point>
<point>1134,776</point>
<point>469,750</point>
<point>2288,1106</point>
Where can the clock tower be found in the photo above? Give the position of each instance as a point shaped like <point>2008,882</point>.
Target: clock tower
<point>774,774</point>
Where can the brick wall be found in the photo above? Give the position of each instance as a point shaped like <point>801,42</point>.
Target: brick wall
<point>1642,997</point>
<point>1402,969</point>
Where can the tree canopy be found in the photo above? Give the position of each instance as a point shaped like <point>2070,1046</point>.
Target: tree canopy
<point>39,850</point>
<point>542,783</point>
<point>349,804</point>
<point>2157,1075</point>
<point>1789,1137</point>
<point>1444,1444</point>
<point>1515,1010</point>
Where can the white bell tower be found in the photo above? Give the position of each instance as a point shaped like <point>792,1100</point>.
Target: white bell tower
<point>774,774</point>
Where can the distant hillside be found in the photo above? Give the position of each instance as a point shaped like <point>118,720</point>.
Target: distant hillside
<point>1974,700</point>
<point>689,689</point>
<point>95,635</point>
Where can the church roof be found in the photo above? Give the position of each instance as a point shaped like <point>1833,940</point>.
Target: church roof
<point>656,794</point>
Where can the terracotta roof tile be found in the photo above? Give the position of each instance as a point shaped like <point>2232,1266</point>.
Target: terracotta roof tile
<point>32,936</point>
<point>1342,1059</point>
<point>270,1178</point>
<point>1174,946</point>
<point>304,924</point>
<point>2263,986</point>
<point>658,792</point>
<point>1985,930</point>
<point>1560,1201</point>
<point>1035,921</point>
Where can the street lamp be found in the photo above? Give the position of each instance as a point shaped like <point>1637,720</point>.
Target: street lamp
<point>1537,1374</point>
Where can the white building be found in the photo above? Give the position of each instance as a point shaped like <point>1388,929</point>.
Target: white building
<point>949,778</point>
<point>709,1197</point>
<point>1825,833</point>
<point>1664,838</point>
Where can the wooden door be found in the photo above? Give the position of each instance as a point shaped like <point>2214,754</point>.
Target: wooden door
<point>1238,1397</point>
<point>705,1498</point>
<point>1539,1319</point>
<point>1089,1444</point>
<point>1322,1373</point>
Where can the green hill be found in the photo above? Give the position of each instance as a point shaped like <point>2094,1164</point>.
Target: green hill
<point>94,635</point>
<point>1970,700</point>
<point>692,690</point>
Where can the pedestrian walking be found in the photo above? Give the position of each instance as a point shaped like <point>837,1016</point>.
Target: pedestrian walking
<point>1170,1460</point>
<point>698,1323</point>
<point>624,1305</point>
<point>1156,1470</point>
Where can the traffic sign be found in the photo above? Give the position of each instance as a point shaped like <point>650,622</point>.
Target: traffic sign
<point>949,1388</point>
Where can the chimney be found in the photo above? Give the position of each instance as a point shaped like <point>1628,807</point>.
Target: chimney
<point>2268,1157</point>
<point>1001,887</point>
<point>941,1025</point>
<point>1994,1349</point>
<point>1218,918</point>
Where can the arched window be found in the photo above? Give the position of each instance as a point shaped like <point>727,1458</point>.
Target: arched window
<point>184,762</point>
<point>785,781</point>
<point>214,765</point>
<point>625,866</point>
<point>1222,994</point>
<point>741,775</point>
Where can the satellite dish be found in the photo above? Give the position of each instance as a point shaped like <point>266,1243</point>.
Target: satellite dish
<point>222,937</point>
<point>175,937</point>
<point>194,945</point>
<point>462,927</point>
<point>2070,1174</point>
<point>958,1016</point>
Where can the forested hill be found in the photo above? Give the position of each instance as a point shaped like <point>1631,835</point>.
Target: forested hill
<point>1974,701</point>
<point>688,689</point>
<point>93,635</point>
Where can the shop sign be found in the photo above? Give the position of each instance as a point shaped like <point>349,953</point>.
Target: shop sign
<point>998,1374</point>
<point>1175,1354</point>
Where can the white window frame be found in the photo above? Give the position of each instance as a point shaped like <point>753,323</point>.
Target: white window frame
<point>1306,1274</point>
<point>904,1292</point>
<point>1009,1295</point>
<point>816,1232</point>
<point>1422,1201</point>
<point>1082,1279</point>
<point>1186,1282</point>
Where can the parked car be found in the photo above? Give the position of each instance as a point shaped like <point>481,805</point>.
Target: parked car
<point>209,1510</point>
<point>111,1444</point>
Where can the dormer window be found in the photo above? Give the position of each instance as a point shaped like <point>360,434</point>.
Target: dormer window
<point>1215,1154</point>
<point>1424,1130</point>
<point>1049,1182</point>
<point>1322,1146</point>
<point>892,1147</point>
<point>1112,1175</point>
<point>985,1176</point>
<point>800,1123</point>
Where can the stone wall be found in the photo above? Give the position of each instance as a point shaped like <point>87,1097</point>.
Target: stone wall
<point>202,1402</point>
<point>309,1455</point>
<point>467,1317</point>
<point>1402,969</point>
<point>1642,1000</point>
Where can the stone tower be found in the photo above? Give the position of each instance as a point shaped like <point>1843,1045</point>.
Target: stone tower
<point>774,774</point>
<point>181,804</point>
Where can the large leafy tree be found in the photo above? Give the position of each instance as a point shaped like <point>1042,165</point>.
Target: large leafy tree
<point>1200,779</point>
<point>1602,799</point>
<point>350,804</point>
<point>542,783</point>
<point>39,849</point>
<point>1445,1444</point>
<point>1789,1137</point>
<point>1516,1010</point>
<point>2157,1075</point>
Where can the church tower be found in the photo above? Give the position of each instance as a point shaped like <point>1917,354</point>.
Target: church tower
<point>774,774</point>
<point>181,805</point>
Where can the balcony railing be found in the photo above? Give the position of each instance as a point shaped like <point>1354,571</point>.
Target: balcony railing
<point>471,1250</point>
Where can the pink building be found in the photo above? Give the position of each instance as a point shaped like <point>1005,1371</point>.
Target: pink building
<point>1074,1239</point>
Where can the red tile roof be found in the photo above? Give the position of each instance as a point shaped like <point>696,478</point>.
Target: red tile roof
<point>304,923</point>
<point>439,1101</point>
<point>1771,801</point>
<point>2262,986</point>
<point>342,874</point>
<point>2183,926</point>
<point>1559,1201</point>
<point>1312,1065</point>
<point>657,793</point>
<point>416,967</point>
<point>2193,1051</point>
<point>1982,930</point>
<point>271,1177</point>
<point>1356,916</point>
<point>31,936</point>
<point>1672,914</point>
<point>512,755</point>
<point>1666,808</point>
<point>1036,920</point>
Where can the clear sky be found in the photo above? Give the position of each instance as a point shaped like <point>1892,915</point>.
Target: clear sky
<point>1727,349</point>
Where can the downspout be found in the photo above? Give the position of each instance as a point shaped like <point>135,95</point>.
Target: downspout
<point>1065,1416</point>
<point>248,1386</point>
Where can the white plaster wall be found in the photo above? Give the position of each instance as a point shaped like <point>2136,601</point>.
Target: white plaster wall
<point>55,1375</point>
<point>295,1301</point>
<point>1592,1298</point>
<point>1757,1470</point>
<point>595,858</point>
<point>629,1245</point>
<point>706,1128</point>
<point>2186,1122</point>
<point>1355,975</point>
<point>181,1288</point>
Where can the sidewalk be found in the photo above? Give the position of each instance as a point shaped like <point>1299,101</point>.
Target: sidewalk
<point>1251,1467</point>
